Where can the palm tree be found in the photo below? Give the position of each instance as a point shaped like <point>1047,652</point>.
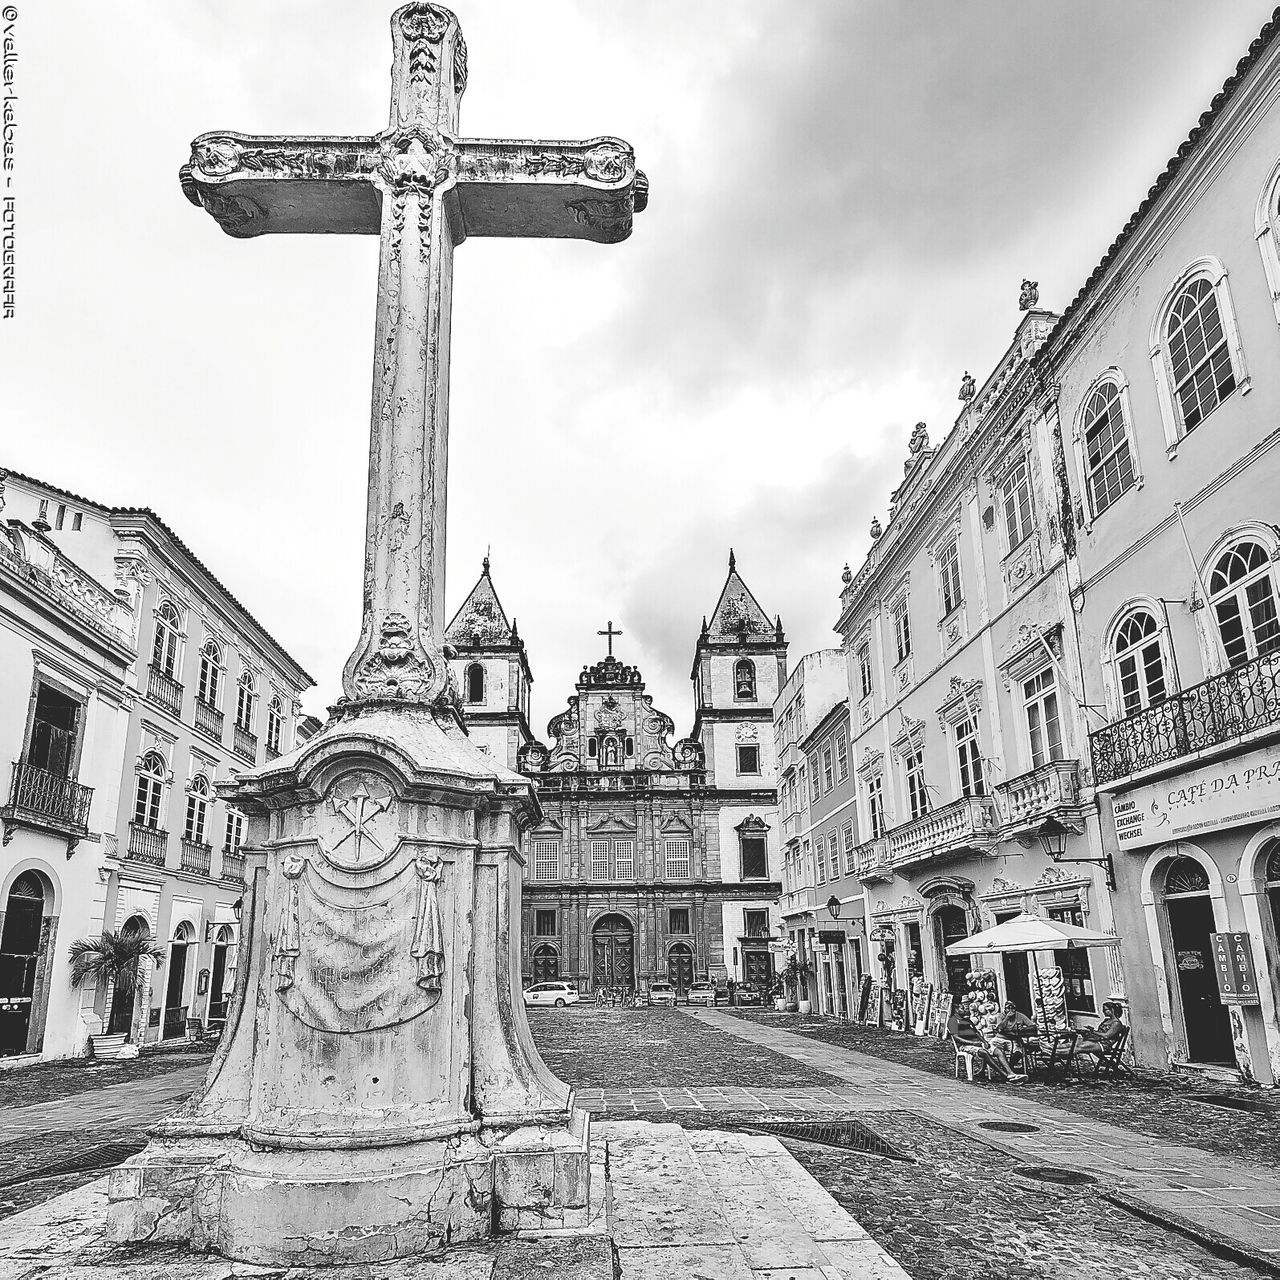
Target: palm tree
<point>114,958</point>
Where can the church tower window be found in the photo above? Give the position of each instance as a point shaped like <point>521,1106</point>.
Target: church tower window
<point>475,683</point>
<point>744,680</point>
<point>755,857</point>
<point>593,747</point>
<point>748,757</point>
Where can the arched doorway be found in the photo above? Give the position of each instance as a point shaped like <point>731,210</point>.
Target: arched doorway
<point>613,953</point>
<point>24,914</point>
<point>1189,913</point>
<point>680,967</point>
<point>222,945</point>
<point>546,963</point>
<point>175,1011</point>
<point>120,1021</point>
<point>1271,879</point>
<point>951,925</point>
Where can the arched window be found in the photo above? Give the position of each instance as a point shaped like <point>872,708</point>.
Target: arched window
<point>1243,595</point>
<point>275,724</point>
<point>150,790</point>
<point>246,696</point>
<point>744,680</point>
<point>1199,358</point>
<point>1138,659</point>
<point>164,644</point>
<point>209,690</point>
<point>475,682</point>
<point>1185,875</point>
<point>1108,455</point>
<point>199,794</point>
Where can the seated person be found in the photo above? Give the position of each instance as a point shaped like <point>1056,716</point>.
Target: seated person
<point>1097,1040</point>
<point>1013,1030</point>
<point>966,1036</point>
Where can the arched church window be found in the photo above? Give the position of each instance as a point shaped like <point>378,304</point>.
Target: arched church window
<point>593,746</point>
<point>744,680</point>
<point>629,747</point>
<point>1242,592</point>
<point>475,683</point>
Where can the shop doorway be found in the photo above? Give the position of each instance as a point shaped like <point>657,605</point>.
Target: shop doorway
<point>175,1011</point>
<point>19,957</point>
<point>218,978</point>
<point>1189,911</point>
<point>1017,972</point>
<point>613,954</point>
<point>123,1003</point>
<point>680,967</point>
<point>951,925</point>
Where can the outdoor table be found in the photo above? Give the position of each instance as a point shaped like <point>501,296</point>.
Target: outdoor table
<point>1063,1048</point>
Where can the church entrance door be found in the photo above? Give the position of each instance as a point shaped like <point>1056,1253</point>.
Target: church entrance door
<point>757,971</point>
<point>680,968</point>
<point>613,954</point>
<point>546,963</point>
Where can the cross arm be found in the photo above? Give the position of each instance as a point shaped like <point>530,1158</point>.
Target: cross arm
<point>253,185</point>
<point>573,190</point>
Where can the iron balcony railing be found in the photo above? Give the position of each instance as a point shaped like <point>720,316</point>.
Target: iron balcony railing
<point>232,864</point>
<point>1031,797</point>
<point>148,844</point>
<point>164,689</point>
<point>196,857</point>
<point>245,744</point>
<point>48,799</point>
<point>1216,712</point>
<point>209,719</point>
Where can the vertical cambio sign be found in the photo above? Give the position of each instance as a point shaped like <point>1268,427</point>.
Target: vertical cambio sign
<point>8,202</point>
<point>1233,961</point>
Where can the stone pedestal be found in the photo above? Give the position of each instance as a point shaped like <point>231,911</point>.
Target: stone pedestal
<point>377,1091</point>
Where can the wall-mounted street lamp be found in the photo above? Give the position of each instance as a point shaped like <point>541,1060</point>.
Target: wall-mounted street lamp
<point>833,907</point>
<point>1053,840</point>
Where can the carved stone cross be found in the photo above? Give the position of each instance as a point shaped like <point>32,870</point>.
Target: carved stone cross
<point>423,190</point>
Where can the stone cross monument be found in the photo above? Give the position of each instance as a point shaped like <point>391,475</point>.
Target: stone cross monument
<point>377,1091</point>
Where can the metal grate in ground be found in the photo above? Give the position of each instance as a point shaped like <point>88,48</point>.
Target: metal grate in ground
<point>849,1135</point>
<point>1060,1177</point>
<point>1008,1126</point>
<point>1231,1101</point>
<point>105,1155</point>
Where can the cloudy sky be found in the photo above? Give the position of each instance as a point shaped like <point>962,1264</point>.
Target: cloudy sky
<point>845,197</point>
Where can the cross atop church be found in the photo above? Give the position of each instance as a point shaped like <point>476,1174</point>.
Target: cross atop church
<point>611,633</point>
<point>423,190</point>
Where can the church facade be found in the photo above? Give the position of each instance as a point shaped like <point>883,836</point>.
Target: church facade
<point>656,860</point>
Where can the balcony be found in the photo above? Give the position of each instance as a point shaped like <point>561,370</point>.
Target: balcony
<point>148,844</point>
<point>245,744</point>
<point>164,690</point>
<point>1025,801</point>
<point>871,861</point>
<point>196,857</point>
<point>209,720</point>
<point>232,864</point>
<point>628,780</point>
<point>962,826</point>
<point>1243,703</point>
<point>47,802</point>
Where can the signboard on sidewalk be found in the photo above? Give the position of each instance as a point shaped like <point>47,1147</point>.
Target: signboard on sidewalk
<point>1233,963</point>
<point>1243,789</point>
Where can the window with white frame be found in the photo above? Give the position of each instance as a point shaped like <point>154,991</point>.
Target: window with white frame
<point>164,644</point>
<point>1108,457</point>
<point>875,806</point>
<point>275,724</point>
<point>546,859</point>
<point>833,855</point>
<point>234,831</point>
<point>828,767</point>
<point>1242,593</point>
<point>1198,354</point>
<point>199,793</point>
<point>902,629</point>
<point>1137,658</point>
<point>913,779</point>
<point>847,847</point>
<point>676,856</point>
<point>949,577</point>
<point>819,862</point>
<point>246,697</point>
<point>815,781</point>
<point>600,860</point>
<point>864,669</point>
<point>753,855</point>
<point>209,687</point>
<point>149,792</point>
<point>748,756</point>
<point>1044,722</point>
<point>1015,494</point>
<point>969,758</point>
<point>624,859</point>
<point>842,757</point>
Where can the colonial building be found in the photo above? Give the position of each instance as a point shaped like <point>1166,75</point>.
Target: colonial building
<point>967,726</point>
<point>1163,378</point>
<point>194,689</point>
<point>656,860</point>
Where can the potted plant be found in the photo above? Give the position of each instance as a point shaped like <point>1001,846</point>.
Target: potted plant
<point>113,959</point>
<point>795,976</point>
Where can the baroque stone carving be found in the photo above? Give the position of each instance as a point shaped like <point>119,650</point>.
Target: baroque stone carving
<point>612,216</point>
<point>876,529</point>
<point>608,162</point>
<point>919,441</point>
<point>1029,295</point>
<point>968,387</point>
<point>396,671</point>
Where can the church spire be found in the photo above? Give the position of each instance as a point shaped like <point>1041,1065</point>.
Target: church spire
<point>737,614</point>
<point>481,621</point>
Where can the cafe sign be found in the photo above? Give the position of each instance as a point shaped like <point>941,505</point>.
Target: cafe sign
<point>1233,962</point>
<point>1244,789</point>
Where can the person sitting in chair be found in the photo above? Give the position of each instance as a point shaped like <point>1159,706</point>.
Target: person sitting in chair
<point>1101,1039</point>
<point>964,1035</point>
<point>1013,1030</point>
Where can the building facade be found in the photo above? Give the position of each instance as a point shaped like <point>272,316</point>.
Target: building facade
<point>206,692</point>
<point>1162,380</point>
<point>655,860</point>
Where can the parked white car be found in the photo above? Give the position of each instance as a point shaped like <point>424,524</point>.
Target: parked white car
<point>557,994</point>
<point>662,993</point>
<point>702,993</point>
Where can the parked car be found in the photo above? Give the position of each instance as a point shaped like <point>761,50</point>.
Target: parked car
<point>557,994</point>
<point>746,995</point>
<point>702,993</point>
<point>662,993</point>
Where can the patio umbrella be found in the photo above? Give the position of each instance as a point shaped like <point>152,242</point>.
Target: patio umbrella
<point>1031,933</point>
